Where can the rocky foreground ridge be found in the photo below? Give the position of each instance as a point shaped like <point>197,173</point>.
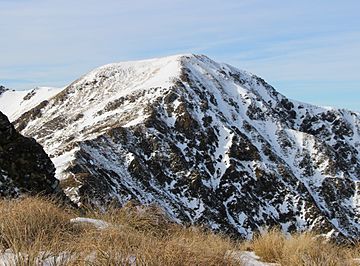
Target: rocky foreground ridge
<point>211,144</point>
<point>24,166</point>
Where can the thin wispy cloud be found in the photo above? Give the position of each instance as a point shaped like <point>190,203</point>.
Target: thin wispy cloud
<point>291,44</point>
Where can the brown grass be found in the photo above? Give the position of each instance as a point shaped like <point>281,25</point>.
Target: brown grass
<point>144,235</point>
<point>36,228</point>
<point>301,249</point>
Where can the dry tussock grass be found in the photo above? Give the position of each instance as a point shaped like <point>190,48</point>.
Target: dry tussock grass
<point>33,221</point>
<point>300,249</point>
<point>36,228</point>
<point>116,247</point>
<point>144,235</point>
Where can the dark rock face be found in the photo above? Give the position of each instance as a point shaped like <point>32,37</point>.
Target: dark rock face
<point>2,89</point>
<point>216,146</point>
<point>24,166</point>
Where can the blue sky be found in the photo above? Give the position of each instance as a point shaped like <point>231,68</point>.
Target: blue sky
<point>308,50</point>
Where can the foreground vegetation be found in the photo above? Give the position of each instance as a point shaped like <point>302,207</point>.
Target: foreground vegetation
<point>302,249</point>
<point>30,226</point>
<point>38,229</point>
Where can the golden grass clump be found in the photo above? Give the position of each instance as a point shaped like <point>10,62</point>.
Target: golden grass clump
<point>184,247</point>
<point>147,219</point>
<point>300,249</point>
<point>143,234</point>
<point>269,245</point>
<point>23,222</point>
<point>38,229</point>
<point>33,229</point>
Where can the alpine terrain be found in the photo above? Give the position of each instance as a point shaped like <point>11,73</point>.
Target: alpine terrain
<point>24,166</point>
<point>209,143</point>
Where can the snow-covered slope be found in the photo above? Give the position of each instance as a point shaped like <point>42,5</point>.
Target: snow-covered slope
<point>14,103</point>
<point>210,143</point>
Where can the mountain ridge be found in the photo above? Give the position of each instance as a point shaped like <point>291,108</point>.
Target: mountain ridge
<point>209,143</point>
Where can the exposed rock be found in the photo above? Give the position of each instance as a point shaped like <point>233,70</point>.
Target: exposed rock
<point>24,166</point>
<point>2,89</point>
<point>211,144</point>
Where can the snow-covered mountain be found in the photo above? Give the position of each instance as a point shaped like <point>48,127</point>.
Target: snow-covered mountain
<point>14,103</point>
<point>211,144</point>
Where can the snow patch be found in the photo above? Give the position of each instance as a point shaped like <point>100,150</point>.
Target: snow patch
<point>99,224</point>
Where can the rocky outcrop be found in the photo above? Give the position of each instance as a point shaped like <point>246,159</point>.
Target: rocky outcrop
<point>211,144</point>
<point>24,166</point>
<point>2,89</point>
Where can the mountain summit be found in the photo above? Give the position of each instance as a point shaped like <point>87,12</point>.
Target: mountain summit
<point>209,143</point>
